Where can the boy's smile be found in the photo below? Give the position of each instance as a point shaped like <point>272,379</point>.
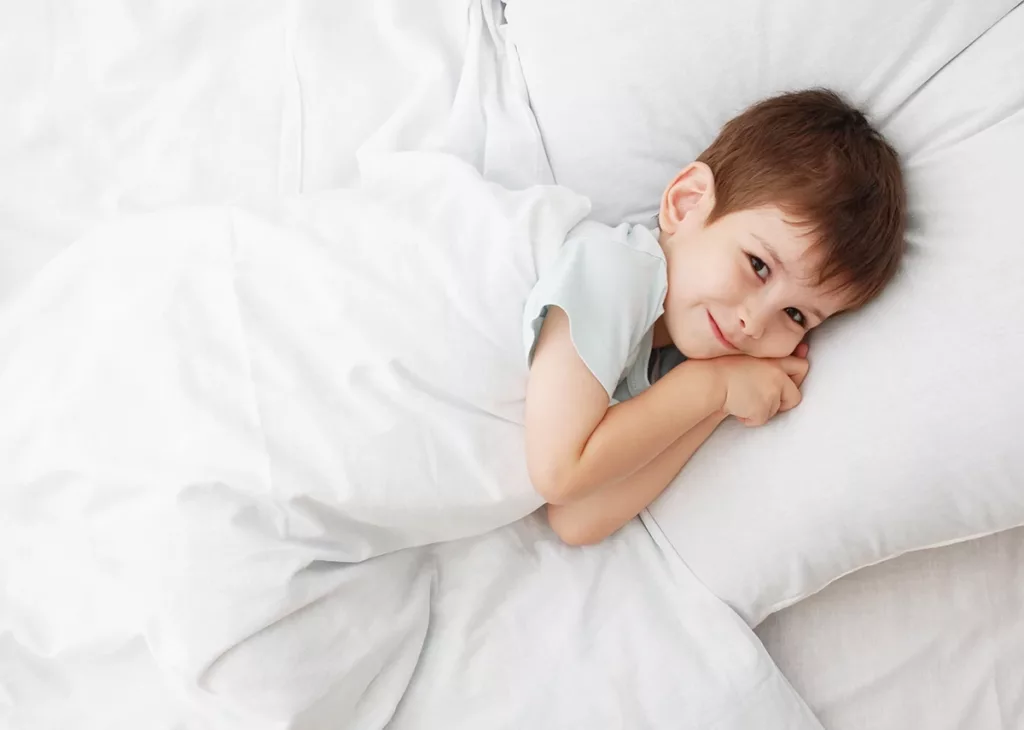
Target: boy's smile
<point>718,334</point>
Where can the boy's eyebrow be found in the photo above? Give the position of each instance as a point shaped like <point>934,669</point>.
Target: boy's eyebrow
<point>782,267</point>
<point>771,252</point>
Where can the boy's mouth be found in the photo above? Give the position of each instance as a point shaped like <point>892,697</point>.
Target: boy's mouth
<point>718,334</point>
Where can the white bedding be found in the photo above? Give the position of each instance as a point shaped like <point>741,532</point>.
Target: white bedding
<point>177,546</point>
<point>123,106</point>
<point>523,632</point>
<point>933,639</point>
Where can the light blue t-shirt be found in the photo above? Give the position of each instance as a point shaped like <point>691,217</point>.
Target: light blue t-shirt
<point>611,283</point>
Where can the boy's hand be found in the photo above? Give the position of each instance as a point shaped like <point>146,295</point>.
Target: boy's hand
<point>756,389</point>
<point>801,352</point>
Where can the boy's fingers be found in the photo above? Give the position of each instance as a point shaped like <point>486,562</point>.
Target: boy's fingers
<point>801,350</point>
<point>794,367</point>
<point>791,395</point>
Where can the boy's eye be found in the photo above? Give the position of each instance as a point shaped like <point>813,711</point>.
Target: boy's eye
<point>760,267</point>
<point>796,315</point>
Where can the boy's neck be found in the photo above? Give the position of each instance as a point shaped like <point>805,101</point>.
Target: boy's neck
<point>661,336</point>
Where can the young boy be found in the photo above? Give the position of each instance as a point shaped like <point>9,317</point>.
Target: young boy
<point>641,342</point>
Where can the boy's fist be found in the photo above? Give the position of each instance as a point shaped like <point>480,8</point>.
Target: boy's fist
<point>756,389</point>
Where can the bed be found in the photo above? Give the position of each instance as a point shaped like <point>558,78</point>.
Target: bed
<point>120,107</point>
<point>932,639</point>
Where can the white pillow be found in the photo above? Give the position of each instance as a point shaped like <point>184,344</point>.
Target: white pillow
<point>909,435</point>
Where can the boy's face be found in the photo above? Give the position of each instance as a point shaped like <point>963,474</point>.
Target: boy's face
<point>744,284</point>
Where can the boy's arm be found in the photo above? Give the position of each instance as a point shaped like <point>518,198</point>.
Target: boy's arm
<point>592,518</point>
<point>596,516</point>
<point>576,444</point>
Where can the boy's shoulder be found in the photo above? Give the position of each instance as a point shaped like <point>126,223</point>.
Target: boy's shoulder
<point>636,237</point>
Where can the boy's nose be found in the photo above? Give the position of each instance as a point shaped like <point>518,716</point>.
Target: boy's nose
<point>751,324</point>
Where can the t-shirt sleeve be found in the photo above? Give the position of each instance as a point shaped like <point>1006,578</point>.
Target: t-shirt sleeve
<point>612,294</point>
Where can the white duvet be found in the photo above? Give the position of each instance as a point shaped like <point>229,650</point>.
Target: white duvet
<point>257,418</point>
<point>261,466</point>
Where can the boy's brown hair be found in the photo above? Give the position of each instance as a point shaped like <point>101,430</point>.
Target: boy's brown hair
<point>820,160</point>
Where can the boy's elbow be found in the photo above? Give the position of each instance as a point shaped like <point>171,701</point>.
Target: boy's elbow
<point>553,484</point>
<point>570,530</point>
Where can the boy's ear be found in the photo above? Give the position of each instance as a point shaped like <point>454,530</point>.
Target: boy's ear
<point>691,193</point>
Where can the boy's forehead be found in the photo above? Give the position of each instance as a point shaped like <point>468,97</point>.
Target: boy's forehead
<point>792,242</point>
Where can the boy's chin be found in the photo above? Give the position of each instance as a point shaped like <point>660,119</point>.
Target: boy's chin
<point>691,343</point>
<point>702,350</point>
<point>710,354</point>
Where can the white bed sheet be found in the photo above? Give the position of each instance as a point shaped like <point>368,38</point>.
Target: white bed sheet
<point>525,632</point>
<point>933,639</point>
